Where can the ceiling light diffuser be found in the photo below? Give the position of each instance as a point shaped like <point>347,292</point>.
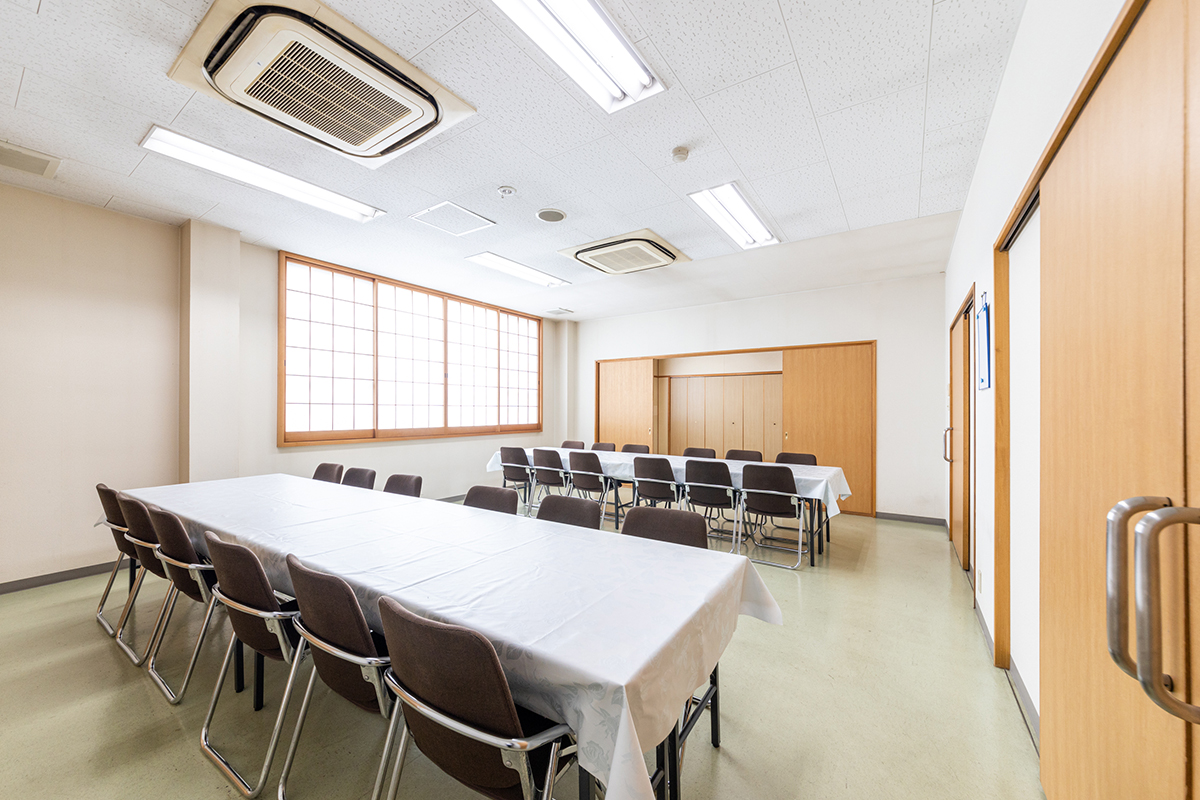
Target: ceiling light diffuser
<point>511,267</point>
<point>580,37</point>
<point>729,209</point>
<point>198,154</point>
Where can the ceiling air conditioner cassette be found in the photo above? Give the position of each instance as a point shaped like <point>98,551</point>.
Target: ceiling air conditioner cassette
<point>629,252</point>
<point>319,76</point>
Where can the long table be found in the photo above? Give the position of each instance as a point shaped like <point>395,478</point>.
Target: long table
<point>827,484</point>
<point>607,633</point>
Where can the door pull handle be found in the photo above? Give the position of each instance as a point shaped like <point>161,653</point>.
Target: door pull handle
<point>1117,600</point>
<point>946,446</point>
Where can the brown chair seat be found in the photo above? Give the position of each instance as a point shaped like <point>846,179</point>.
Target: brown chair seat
<point>408,485</point>
<point>492,498</point>
<point>330,473</point>
<point>577,511</point>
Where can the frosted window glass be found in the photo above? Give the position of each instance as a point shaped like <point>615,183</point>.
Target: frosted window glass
<point>387,417</point>
<point>387,295</point>
<point>320,308</point>
<point>320,417</point>
<point>343,365</point>
<point>322,336</point>
<point>320,283</point>
<point>343,418</point>
<point>364,291</point>
<point>321,363</point>
<point>343,287</point>
<point>297,276</point>
<point>296,390</point>
<point>343,339</point>
<point>297,305</point>
<point>296,361</point>
<point>343,313</point>
<point>296,417</point>
<point>320,391</point>
<point>364,316</point>
<point>364,417</point>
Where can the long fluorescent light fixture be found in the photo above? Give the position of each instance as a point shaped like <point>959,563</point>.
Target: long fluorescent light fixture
<point>582,39</point>
<point>172,144</point>
<point>516,270</point>
<point>729,209</point>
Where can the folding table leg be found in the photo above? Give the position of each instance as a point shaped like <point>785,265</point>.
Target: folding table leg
<point>673,787</point>
<point>714,707</point>
<point>587,786</point>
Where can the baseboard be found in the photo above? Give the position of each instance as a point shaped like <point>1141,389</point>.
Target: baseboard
<point>54,577</point>
<point>458,498</point>
<point>941,523</point>
<point>987,635</point>
<point>1032,719</point>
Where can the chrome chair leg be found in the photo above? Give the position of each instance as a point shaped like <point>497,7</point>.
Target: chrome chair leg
<point>173,697</point>
<point>401,750</point>
<point>109,629</point>
<point>226,768</point>
<point>168,600</point>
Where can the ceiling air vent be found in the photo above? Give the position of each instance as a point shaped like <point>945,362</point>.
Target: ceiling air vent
<point>317,75</point>
<point>27,160</point>
<point>630,252</point>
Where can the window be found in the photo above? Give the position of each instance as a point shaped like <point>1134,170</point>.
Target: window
<point>364,358</point>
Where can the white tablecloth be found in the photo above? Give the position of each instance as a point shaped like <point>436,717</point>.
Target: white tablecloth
<point>827,484</point>
<point>607,633</point>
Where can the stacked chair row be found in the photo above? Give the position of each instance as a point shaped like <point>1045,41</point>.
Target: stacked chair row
<point>365,479</point>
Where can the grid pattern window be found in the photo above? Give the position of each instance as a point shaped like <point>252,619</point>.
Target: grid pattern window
<point>520,368</point>
<point>329,364</point>
<point>364,358</point>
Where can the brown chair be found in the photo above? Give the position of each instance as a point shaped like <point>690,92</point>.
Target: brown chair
<point>264,624</point>
<point>607,447</point>
<point>816,507</point>
<point>331,473</point>
<point>349,657</point>
<point>457,707</point>
<point>588,478</point>
<point>654,481</point>
<point>708,485</point>
<point>492,498</point>
<point>699,452</point>
<point>359,476</point>
<point>517,471</point>
<point>407,485</point>
<point>191,577</point>
<point>743,455</point>
<point>644,449</point>
<point>141,535</point>
<point>684,528</point>
<point>571,444</point>
<point>570,511</point>
<point>770,491</point>
<point>548,473</point>
<point>115,522</point>
<point>804,459</point>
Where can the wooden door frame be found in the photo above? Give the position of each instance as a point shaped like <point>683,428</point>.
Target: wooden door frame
<point>968,441</point>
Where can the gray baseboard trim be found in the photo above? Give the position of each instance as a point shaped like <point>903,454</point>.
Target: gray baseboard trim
<point>1032,719</point>
<point>55,577</point>
<point>941,523</point>
<point>987,635</point>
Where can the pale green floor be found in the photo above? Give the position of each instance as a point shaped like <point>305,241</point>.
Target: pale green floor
<point>877,686</point>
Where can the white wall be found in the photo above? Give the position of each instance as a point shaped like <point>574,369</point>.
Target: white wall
<point>1055,43</point>
<point>89,353</point>
<point>902,315</point>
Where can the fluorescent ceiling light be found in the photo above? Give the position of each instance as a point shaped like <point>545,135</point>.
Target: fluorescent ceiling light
<point>580,37</point>
<point>516,270</point>
<point>729,209</point>
<point>239,169</point>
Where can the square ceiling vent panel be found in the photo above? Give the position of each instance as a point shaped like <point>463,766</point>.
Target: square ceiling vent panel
<point>452,219</point>
<point>629,252</point>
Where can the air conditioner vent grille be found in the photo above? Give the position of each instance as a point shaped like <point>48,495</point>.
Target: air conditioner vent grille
<point>629,252</point>
<point>304,84</point>
<point>629,258</point>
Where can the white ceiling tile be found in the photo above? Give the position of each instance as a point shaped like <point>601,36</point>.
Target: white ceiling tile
<point>971,41</point>
<point>766,123</point>
<point>851,51</point>
<point>715,45</point>
<point>482,66</point>
<point>877,139</point>
<point>136,209</point>
<point>10,82</point>
<point>65,141</point>
<point>684,226</point>
<point>703,171</point>
<point>193,8</point>
<point>950,156</point>
<point>28,5</point>
<point>615,175</point>
<point>804,202</point>
<point>395,197</point>
<point>592,217</point>
<point>881,202</point>
<point>166,198</point>
<point>517,37</point>
<point>53,186</point>
<point>405,26</point>
<point>74,108</point>
<point>497,159</point>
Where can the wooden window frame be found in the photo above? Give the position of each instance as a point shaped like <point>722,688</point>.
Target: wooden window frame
<point>304,438</point>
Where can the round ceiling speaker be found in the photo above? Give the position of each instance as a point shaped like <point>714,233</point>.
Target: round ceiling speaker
<point>551,215</point>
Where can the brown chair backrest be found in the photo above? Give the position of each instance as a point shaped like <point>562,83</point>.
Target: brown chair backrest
<point>456,671</point>
<point>571,444</point>
<point>807,459</point>
<point>331,473</point>
<point>771,478</point>
<point>586,472</point>
<point>409,485</point>
<point>715,473</point>
<point>667,525</point>
<point>240,577</point>
<point>361,477</point>
<point>492,498</point>
<point>553,462</point>
<point>175,543</point>
<point>658,470</point>
<point>635,448</point>
<point>112,513</point>
<point>515,455</point>
<point>137,519</point>
<point>570,511</point>
<point>743,455</point>
<point>330,611</point>
<point>607,447</point>
<point>699,452</point>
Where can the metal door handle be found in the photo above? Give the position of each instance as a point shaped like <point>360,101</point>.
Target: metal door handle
<point>946,446</point>
<point>1149,614</point>
<point>1118,592</point>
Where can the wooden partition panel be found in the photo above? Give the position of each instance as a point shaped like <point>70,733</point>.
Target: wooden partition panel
<point>626,402</point>
<point>829,410</point>
<point>714,414</point>
<point>732,391</point>
<point>772,416</point>
<point>662,415</point>
<point>695,412</point>
<point>753,413</point>
<point>677,424</point>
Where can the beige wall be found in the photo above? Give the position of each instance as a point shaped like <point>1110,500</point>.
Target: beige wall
<point>89,373</point>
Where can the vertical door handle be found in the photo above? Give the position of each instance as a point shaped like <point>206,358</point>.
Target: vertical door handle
<point>1117,589</point>
<point>1147,582</point>
<point>946,446</point>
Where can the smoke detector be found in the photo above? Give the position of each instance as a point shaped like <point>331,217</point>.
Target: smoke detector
<point>630,252</point>
<point>551,215</point>
<point>679,155</point>
<point>506,191</point>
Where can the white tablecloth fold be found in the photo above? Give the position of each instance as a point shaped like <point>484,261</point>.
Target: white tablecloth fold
<point>607,633</point>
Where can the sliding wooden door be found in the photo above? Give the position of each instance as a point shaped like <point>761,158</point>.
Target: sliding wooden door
<point>958,437</point>
<point>829,411</point>
<point>626,402</point>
